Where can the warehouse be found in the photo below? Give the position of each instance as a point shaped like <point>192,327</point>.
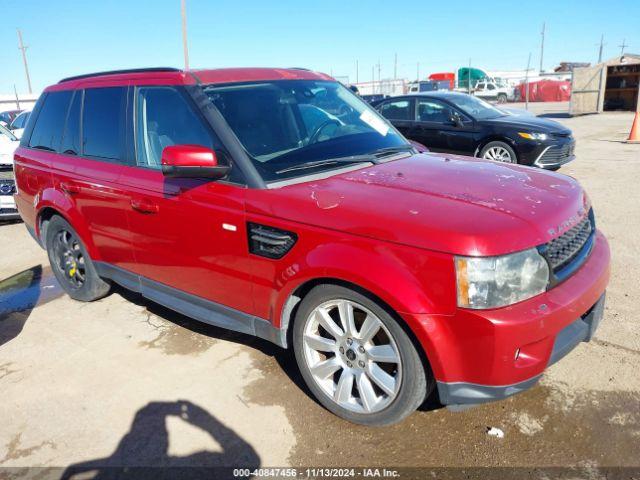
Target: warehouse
<point>607,86</point>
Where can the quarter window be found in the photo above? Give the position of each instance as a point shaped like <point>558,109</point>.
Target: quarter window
<point>397,110</point>
<point>48,128</point>
<point>71,137</point>
<point>103,122</point>
<point>164,118</point>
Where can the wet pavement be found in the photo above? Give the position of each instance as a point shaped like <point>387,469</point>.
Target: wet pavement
<point>123,381</point>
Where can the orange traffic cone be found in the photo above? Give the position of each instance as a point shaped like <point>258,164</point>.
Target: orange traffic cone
<point>634,134</point>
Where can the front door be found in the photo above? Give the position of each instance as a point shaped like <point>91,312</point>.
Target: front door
<point>187,234</point>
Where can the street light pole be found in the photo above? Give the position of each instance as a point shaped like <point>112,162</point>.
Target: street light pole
<point>185,47</point>
<point>23,48</point>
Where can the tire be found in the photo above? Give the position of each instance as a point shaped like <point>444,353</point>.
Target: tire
<point>502,98</point>
<point>374,376</point>
<point>71,263</point>
<point>499,152</point>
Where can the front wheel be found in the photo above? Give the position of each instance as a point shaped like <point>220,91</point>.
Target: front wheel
<point>500,152</point>
<point>356,358</point>
<point>502,98</point>
<point>71,263</point>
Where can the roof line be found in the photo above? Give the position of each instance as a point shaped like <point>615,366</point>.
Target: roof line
<point>118,72</point>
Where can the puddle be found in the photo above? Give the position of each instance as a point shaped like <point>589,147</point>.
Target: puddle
<point>541,428</point>
<point>20,293</point>
<point>175,337</point>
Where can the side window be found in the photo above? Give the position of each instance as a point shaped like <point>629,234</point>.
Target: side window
<point>397,110</point>
<point>433,111</point>
<point>71,136</point>
<point>491,86</point>
<point>163,118</point>
<point>20,120</point>
<point>103,120</point>
<point>48,128</point>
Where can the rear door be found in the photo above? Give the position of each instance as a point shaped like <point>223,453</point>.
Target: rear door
<point>187,234</point>
<point>89,164</point>
<point>435,129</point>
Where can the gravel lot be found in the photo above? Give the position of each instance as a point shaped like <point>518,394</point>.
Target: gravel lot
<point>123,381</point>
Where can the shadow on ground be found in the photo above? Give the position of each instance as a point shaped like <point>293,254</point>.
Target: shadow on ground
<point>144,451</point>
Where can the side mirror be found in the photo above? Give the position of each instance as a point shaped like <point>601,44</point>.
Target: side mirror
<point>192,161</point>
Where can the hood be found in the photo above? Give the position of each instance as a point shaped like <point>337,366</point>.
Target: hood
<point>530,123</point>
<point>440,202</point>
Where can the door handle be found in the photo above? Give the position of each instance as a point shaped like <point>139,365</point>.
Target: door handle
<point>144,206</point>
<point>70,188</point>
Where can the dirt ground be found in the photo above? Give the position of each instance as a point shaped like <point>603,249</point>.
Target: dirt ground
<point>123,381</point>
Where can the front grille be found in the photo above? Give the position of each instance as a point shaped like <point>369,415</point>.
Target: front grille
<point>562,250</point>
<point>557,154</point>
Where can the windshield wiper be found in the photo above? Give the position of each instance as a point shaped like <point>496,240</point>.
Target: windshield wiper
<point>330,161</point>
<point>391,150</point>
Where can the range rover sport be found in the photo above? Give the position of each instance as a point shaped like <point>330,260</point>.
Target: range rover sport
<point>276,203</point>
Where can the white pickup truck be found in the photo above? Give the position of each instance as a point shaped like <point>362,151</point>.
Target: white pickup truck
<point>491,91</point>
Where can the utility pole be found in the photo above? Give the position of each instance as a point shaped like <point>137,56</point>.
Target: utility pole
<point>542,45</point>
<point>395,67</point>
<point>418,73</point>
<point>357,72</point>
<point>379,79</point>
<point>373,79</point>
<point>17,98</point>
<point>622,47</point>
<point>23,48</point>
<point>526,83</point>
<point>185,47</point>
<point>600,51</point>
<point>469,78</point>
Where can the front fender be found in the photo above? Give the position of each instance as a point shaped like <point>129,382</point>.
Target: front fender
<point>51,198</point>
<point>407,279</point>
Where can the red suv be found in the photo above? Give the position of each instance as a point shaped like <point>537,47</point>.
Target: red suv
<point>276,203</point>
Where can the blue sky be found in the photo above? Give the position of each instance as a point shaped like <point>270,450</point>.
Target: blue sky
<point>68,37</point>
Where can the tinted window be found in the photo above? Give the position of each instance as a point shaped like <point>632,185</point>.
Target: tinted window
<point>164,118</point>
<point>48,128</point>
<point>103,122</point>
<point>397,110</point>
<point>71,137</point>
<point>433,111</point>
<point>21,120</point>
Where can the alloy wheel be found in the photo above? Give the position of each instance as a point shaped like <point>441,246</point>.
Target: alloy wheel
<point>499,154</point>
<point>69,258</point>
<point>352,356</point>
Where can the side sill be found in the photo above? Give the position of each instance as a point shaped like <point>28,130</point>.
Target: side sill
<point>193,306</point>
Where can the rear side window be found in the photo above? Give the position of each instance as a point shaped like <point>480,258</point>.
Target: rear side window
<point>397,110</point>
<point>164,118</point>
<point>47,131</point>
<point>103,122</point>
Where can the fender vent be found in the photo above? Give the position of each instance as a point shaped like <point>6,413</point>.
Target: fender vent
<point>269,242</point>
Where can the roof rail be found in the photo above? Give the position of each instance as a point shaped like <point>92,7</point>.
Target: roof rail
<point>117,72</point>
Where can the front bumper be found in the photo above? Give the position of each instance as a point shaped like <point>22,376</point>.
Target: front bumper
<point>483,355</point>
<point>581,330</point>
<point>549,154</point>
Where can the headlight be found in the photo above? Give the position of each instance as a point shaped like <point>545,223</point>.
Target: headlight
<point>533,135</point>
<point>492,282</point>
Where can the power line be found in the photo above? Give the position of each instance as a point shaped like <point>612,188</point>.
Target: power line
<point>23,48</point>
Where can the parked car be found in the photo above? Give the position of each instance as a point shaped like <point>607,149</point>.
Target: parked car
<point>18,123</point>
<point>7,117</point>
<point>489,90</point>
<point>391,274</point>
<point>458,123</point>
<point>8,144</point>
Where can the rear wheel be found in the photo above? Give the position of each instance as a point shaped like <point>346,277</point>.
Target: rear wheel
<point>500,152</point>
<point>71,263</point>
<point>502,98</point>
<point>356,359</point>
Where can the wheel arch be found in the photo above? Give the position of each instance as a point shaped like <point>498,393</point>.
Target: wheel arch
<point>290,308</point>
<point>495,138</point>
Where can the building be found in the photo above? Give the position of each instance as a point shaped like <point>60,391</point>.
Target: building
<point>607,86</point>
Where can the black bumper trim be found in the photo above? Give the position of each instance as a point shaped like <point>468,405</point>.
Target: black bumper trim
<point>459,394</point>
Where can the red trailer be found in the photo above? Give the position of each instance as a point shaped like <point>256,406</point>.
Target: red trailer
<point>546,91</point>
<point>448,76</point>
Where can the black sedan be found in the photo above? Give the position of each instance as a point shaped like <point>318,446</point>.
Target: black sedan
<point>463,124</point>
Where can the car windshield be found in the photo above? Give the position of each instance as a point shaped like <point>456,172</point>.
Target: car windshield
<point>296,127</point>
<point>476,107</point>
